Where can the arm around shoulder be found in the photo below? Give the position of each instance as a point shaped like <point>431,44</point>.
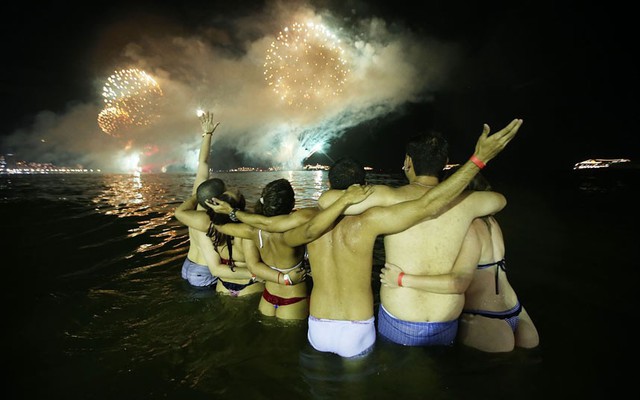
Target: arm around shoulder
<point>381,195</point>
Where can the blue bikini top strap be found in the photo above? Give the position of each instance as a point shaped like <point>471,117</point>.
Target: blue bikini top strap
<point>501,266</point>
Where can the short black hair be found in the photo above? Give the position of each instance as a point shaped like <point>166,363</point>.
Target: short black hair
<point>278,198</point>
<point>345,172</point>
<point>429,152</point>
<point>212,187</point>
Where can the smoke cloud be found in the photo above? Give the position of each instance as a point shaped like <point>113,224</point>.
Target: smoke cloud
<point>221,68</point>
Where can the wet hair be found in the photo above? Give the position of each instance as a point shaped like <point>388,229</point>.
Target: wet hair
<point>277,198</point>
<point>235,200</point>
<point>479,183</point>
<point>345,172</point>
<point>429,152</point>
<point>212,187</point>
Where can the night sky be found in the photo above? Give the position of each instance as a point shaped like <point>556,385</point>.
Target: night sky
<point>568,70</point>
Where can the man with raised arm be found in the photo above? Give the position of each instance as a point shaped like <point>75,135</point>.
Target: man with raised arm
<point>413,317</point>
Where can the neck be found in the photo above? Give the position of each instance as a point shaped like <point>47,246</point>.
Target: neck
<point>425,181</point>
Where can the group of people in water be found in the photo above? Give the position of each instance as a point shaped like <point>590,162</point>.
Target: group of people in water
<point>444,277</point>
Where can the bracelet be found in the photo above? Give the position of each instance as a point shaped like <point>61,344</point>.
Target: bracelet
<point>478,162</point>
<point>287,280</point>
<point>232,215</point>
<point>278,280</point>
<point>400,276</point>
<point>207,133</point>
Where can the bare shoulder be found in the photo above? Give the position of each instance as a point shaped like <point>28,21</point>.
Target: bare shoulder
<point>384,195</point>
<point>481,203</point>
<point>306,211</point>
<point>484,196</point>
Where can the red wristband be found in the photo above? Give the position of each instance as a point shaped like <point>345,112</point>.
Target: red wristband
<point>477,161</point>
<point>400,276</point>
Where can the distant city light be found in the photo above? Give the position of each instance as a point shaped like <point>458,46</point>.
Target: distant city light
<point>599,163</point>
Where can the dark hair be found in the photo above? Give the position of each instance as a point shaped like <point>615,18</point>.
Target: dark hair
<point>212,187</point>
<point>345,172</point>
<point>479,183</point>
<point>277,198</point>
<point>429,152</point>
<point>235,200</point>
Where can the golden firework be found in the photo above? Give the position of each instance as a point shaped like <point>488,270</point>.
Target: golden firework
<point>305,65</point>
<point>131,99</point>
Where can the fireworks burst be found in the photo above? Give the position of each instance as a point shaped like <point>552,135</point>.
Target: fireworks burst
<point>305,65</point>
<point>131,98</point>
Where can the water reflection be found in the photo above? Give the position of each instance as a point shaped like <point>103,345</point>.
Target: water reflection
<point>148,200</point>
<point>127,194</point>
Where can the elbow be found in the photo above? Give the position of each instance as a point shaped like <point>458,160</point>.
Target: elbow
<point>311,233</point>
<point>504,204</point>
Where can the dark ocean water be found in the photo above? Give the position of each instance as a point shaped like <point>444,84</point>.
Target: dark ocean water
<point>96,308</point>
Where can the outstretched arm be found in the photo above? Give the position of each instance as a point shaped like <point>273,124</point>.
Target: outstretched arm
<point>396,218</point>
<point>236,230</point>
<point>382,195</point>
<point>278,223</point>
<point>316,226</point>
<point>208,127</point>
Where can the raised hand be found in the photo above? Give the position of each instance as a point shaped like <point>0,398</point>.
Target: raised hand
<point>207,123</point>
<point>488,147</point>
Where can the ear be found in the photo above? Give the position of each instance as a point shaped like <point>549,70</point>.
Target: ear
<point>408,163</point>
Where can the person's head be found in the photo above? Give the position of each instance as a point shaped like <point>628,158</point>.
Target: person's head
<point>426,154</point>
<point>235,200</point>
<point>345,172</point>
<point>208,189</point>
<point>277,198</point>
<point>479,183</point>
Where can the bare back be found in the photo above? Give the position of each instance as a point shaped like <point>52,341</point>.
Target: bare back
<point>341,262</point>
<point>195,254</point>
<point>430,248</point>
<point>480,331</point>
<point>276,253</point>
<point>481,294</point>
